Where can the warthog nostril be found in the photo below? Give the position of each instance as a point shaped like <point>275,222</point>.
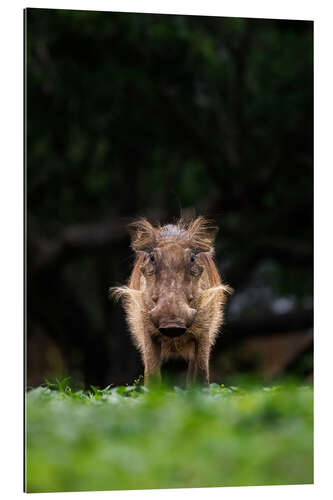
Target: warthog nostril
<point>172,330</point>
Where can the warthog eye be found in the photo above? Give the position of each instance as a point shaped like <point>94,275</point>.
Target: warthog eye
<point>192,260</point>
<point>152,258</point>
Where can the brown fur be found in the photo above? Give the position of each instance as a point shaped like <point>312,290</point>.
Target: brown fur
<point>174,287</point>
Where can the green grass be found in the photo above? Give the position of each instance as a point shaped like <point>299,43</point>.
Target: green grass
<point>130,438</point>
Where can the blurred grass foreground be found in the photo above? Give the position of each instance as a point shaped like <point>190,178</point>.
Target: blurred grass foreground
<point>130,438</point>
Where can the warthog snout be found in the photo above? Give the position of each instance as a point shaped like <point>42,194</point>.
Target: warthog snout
<point>172,330</point>
<point>172,317</point>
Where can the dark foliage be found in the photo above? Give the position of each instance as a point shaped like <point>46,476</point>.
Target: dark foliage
<point>137,114</point>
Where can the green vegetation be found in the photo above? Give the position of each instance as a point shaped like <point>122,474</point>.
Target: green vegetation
<point>131,438</point>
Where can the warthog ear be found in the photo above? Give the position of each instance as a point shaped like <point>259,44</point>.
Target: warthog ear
<point>143,235</point>
<point>202,233</point>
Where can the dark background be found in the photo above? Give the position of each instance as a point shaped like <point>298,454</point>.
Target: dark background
<point>144,114</point>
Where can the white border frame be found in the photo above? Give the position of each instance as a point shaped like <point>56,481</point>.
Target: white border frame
<point>12,238</point>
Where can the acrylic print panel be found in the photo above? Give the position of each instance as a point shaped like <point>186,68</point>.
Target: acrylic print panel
<point>168,118</point>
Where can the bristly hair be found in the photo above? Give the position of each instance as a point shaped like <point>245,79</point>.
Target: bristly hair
<point>125,293</point>
<point>199,233</point>
<point>221,292</point>
<point>143,234</point>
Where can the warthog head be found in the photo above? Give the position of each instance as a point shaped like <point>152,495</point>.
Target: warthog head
<point>171,260</point>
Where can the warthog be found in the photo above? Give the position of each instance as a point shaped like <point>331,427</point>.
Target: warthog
<point>174,298</point>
